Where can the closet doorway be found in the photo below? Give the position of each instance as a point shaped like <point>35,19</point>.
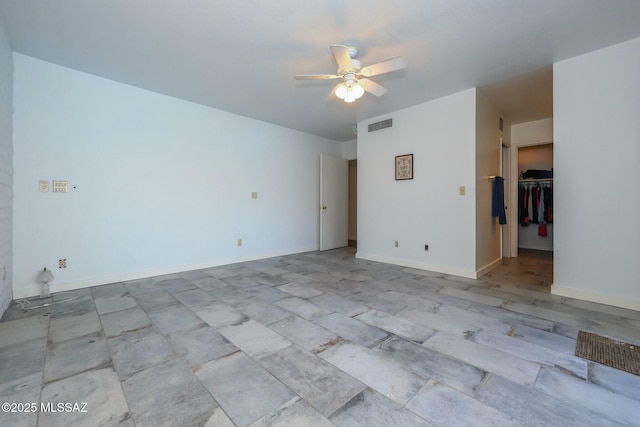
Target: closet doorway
<point>535,197</point>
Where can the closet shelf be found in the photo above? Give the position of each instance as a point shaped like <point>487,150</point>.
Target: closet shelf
<point>535,180</point>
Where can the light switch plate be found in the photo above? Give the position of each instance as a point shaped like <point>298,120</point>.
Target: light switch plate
<point>60,186</point>
<point>43,186</point>
<point>254,195</point>
<point>462,190</point>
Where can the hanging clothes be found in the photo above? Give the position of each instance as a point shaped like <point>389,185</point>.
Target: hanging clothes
<point>540,204</point>
<point>535,202</point>
<point>497,200</point>
<point>548,204</point>
<point>523,198</point>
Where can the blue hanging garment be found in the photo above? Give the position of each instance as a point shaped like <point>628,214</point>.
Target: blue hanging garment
<point>497,203</point>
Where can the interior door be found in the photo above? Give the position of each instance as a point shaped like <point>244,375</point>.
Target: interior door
<point>334,202</point>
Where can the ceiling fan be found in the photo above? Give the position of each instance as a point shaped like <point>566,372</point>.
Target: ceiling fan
<point>354,75</point>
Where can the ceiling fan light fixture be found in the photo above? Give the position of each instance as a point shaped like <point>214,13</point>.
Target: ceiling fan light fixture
<point>357,91</point>
<point>341,90</point>
<point>349,91</point>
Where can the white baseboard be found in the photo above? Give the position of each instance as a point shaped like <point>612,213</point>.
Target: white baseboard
<point>614,300</point>
<point>487,268</point>
<point>34,290</point>
<point>470,274</point>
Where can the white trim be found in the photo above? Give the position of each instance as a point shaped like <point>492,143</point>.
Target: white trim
<point>487,268</point>
<point>512,216</point>
<point>23,292</point>
<point>470,274</point>
<point>614,300</point>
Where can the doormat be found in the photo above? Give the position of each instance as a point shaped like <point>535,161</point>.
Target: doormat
<point>609,352</point>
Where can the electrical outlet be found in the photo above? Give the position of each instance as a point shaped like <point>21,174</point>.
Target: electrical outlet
<point>254,195</point>
<point>239,242</point>
<point>426,247</point>
<point>62,263</point>
<point>395,243</point>
<point>462,190</point>
<point>43,186</point>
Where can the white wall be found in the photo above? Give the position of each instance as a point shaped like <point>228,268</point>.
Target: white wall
<point>157,184</point>
<point>6,171</point>
<point>532,133</point>
<point>441,135</point>
<point>349,149</point>
<point>489,141</point>
<point>597,158</point>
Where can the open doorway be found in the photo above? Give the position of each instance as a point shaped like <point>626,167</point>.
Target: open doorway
<point>532,244</point>
<point>535,197</point>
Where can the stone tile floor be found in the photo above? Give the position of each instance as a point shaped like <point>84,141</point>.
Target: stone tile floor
<point>316,339</point>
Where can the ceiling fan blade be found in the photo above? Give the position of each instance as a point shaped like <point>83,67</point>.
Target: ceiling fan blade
<point>341,53</point>
<point>372,87</point>
<point>316,77</point>
<point>387,66</point>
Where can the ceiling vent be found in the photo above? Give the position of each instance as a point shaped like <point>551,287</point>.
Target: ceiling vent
<point>380,125</point>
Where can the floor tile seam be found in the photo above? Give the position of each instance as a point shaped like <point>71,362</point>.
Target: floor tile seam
<point>607,318</point>
<point>447,318</point>
<point>544,364</point>
<point>488,376</point>
<point>518,321</point>
<point>178,302</point>
<point>107,364</point>
<point>436,381</point>
<point>405,406</point>
<point>488,369</point>
<point>294,393</point>
<point>376,353</point>
<point>470,299</point>
<point>321,360</point>
<point>164,336</point>
<point>552,351</point>
<point>510,288</point>
<point>391,334</point>
<point>173,357</point>
<point>587,409</point>
<point>601,308</point>
<point>580,313</point>
<point>44,361</point>
<point>384,354</point>
<point>552,316</point>
<point>567,352</point>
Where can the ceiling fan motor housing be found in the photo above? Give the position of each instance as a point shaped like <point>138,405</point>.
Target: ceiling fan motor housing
<point>350,79</point>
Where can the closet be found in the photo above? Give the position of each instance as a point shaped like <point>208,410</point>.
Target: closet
<point>535,197</point>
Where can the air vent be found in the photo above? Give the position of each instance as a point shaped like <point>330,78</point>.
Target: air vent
<point>380,125</point>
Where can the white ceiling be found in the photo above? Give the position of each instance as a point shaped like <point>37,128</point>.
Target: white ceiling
<point>241,56</point>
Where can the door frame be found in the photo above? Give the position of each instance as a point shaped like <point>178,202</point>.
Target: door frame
<point>512,216</point>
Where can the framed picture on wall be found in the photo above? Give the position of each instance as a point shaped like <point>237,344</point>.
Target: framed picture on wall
<point>404,167</point>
